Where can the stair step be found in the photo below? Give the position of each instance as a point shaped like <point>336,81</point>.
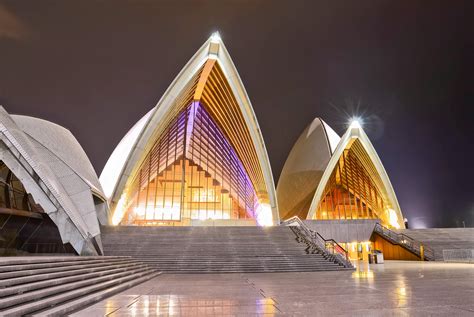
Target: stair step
<point>34,276</point>
<point>12,262</point>
<point>74,305</point>
<point>71,294</point>
<point>46,292</point>
<point>86,275</point>
<point>19,267</point>
<point>215,249</point>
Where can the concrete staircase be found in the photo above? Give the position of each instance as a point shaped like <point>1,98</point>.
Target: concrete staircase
<point>410,244</point>
<point>56,286</point>
<point>215,249</point>
<point>440,239</point>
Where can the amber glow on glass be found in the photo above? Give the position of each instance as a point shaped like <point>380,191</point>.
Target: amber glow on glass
<point>192,173</point>
<point>351,192</point>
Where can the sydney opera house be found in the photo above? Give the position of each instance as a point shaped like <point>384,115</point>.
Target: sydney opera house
<point>196,159</point>
<point>197,155</point>
<point>190,189</point>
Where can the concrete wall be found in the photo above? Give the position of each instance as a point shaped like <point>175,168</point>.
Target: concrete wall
<point>343,230</point>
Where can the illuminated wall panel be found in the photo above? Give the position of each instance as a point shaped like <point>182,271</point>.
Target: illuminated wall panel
<point>355,190</point>
<point>192,172</point>
<point>350,192</point>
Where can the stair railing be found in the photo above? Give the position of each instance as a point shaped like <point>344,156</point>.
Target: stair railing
<point>325,246</point>
<point>335,247</point>
<point>405,241</point>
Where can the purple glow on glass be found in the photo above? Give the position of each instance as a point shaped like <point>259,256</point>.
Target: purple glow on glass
<point>190,124</point>
<point>199,118</point>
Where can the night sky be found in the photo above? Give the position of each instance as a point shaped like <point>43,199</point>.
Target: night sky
<point>405,67</point>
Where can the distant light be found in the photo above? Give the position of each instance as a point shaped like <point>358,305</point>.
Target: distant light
<point>356,123</point>
<point>418,223</point>
<point>119,210</point>
<point>264,215</point>
<point>216,37</point>
<point>393,219</point>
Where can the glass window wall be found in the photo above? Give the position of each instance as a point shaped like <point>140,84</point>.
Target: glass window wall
<point>350,192</point>
<point>191,173</point>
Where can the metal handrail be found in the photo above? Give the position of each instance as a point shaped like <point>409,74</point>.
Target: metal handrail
<point>458,255</point>
<point>307,231</point>
<point>335,244</point>
<point>405,241</point>
<point>335,249</point>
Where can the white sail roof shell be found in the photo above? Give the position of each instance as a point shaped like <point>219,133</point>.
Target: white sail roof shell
<point>304,168</point>
<point>355,131</point>
<point>35,150</point>
<point>134,143</point>
<point>63,144</point>
<point>116,162</point>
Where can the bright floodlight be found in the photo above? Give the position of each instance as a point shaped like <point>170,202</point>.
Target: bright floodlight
<point>356,123</point>
<point>216,37</point>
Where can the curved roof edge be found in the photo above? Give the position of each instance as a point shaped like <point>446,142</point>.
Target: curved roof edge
<point>303,168</point>
<point>355,131</point>
<point>77,230</point>
<point>228,67</point>
<point>131,156</point>
<point>116,162</point>
<point>331,135</point>
<point>63,144</point>
<point>213,48</point>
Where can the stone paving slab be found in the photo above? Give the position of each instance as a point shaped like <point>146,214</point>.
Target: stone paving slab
<point>395,288</point>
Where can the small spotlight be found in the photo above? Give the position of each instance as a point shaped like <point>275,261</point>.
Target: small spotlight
<point>355,122</point>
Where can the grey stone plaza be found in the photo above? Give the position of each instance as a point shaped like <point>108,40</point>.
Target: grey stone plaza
<point>396,288</point>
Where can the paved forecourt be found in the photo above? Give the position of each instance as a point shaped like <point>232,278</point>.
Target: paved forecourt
<point>395,288</point>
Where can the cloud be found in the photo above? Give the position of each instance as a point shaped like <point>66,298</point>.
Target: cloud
<point>11,26</point>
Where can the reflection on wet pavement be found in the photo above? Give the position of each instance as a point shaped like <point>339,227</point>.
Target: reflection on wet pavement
<point>393,288</point>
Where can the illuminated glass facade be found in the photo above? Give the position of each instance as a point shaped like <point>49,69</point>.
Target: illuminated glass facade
<point>351,192</point>
<point>198,155</point>
<point>192,172</point>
